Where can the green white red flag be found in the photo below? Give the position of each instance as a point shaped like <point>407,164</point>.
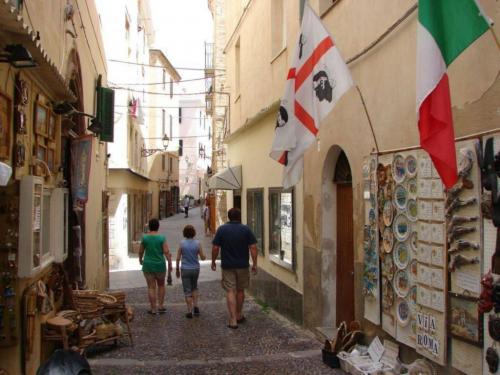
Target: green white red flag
<point>445,29</point>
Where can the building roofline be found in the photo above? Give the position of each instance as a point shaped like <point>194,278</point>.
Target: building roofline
<point>165,62</point>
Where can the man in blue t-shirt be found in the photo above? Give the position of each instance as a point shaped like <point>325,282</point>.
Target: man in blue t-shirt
<point>236,241</point>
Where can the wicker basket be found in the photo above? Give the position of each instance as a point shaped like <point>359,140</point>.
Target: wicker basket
<point>107,299</point>
<point>105,330</point>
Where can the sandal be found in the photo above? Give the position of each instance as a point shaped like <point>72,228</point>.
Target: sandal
<point>241,320</point>
<point>189,315</point>
<point>163,310</point>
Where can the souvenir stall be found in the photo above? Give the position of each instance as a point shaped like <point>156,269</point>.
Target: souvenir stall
<point>426,249</point>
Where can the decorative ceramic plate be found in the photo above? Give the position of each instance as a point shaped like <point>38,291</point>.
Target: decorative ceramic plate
<point>411,165</point>
<point>400,197</point>
<point>413,271</point>
<point>403,312</point>
<point>387,239</point>
<point>401,227</point>
<point>412,187</point>
<point>412,209</point>
<point>414,244</point>
<point>398,168</point>
<point>387,293</point>
<point>388,267</point>
<point>388,213</point>
<point>371,216</point>
<point>401,255</point>
<point>412,298</point>
<point>401,283</point>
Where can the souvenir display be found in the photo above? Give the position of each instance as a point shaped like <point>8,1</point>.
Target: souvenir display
<point>403,312</point>
<point>401,227</point>
<point>388,267</point>
<point>401,283</point>
<point>414,244</point>
<point>413,270</point>
<point>388,213</point>
<point>400,197</point>
<point>401,255</point>
<point>387,239</point>
<point>413,187</point>
<point>412,298</point>
<point>398,168</point>
<point>371,216</point>
<point>411,165</point>
<point>412,209</point>
<point>387,293</point>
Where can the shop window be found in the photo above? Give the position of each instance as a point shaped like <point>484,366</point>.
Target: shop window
<point>281,227</point>
<point>45,129</point>
<point>255,215</point>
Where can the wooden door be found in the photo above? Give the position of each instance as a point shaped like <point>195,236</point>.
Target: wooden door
<point>345,255</point>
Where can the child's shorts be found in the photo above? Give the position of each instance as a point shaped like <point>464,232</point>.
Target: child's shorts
<point>189,281</point>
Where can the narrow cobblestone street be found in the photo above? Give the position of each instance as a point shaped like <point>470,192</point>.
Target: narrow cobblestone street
<point>172,344</point>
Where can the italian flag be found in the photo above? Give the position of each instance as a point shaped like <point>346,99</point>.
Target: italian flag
<point>445,29</point>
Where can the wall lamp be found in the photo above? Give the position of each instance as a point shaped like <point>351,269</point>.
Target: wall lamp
<point>145,152</point>
<point>66,109</point>
<point>18,56</point>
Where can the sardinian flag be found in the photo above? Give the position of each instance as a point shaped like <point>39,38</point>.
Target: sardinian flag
<point>316,81</point>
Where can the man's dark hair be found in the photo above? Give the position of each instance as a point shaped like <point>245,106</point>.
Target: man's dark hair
<point>153,225</point>
<point>189,231</point>
<point>234,214</point>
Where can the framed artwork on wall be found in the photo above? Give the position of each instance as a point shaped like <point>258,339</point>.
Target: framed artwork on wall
<point>465,323</point>
<point>5,104</point>
<point>41,119</point>
<point>41,154</point>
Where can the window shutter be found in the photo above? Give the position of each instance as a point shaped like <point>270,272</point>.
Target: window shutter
<point>105,112</point>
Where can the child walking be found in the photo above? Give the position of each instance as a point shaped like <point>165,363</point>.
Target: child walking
<point>189,250</point>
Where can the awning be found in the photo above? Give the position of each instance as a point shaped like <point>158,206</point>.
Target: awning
<point>227,179</point>
<point>14,30</point>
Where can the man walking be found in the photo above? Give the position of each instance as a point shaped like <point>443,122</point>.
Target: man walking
<point>236,241</point>
<point>185,204</point>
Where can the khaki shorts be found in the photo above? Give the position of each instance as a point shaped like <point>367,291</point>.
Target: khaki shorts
<point>235,278</point>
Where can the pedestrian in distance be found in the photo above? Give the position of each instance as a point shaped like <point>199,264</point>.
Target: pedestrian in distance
<point>206,219</point>
<point>236,242</point>
<point>152,253</point>
<point>185,204</point>
<point>187,254</point>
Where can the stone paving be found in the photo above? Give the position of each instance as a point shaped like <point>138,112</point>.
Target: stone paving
<point>171,344</point>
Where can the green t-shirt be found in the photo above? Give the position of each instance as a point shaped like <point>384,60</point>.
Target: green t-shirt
<point>154,260</point>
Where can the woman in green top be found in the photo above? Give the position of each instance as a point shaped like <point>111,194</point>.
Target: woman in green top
<point>152,254</point>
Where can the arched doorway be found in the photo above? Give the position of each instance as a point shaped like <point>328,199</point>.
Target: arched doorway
<point>345,244</point>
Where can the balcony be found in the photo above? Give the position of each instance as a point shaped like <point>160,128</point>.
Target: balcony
<point>209,59</point>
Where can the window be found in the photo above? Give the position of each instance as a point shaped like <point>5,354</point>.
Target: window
<point>281,227</point>
<point>170,164</point>
<point>163,122</point>
<point>278,27</point>
<point>255,215</point>
<point>164,79</point>
<point>180,115</point>
<point>170,127</point>
<point>46,125</point>
<point>237,67</point>
<point>171,88</point>
<point>163,163</point>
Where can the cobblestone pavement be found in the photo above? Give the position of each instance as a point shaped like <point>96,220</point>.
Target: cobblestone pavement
<point>172,344</point>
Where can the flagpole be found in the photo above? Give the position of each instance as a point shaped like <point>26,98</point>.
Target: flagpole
<point>368,117</point>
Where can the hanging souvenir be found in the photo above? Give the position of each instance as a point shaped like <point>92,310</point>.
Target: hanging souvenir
<point>413,271</point>
<point>387,240</point>
<point>414,244</point>
<point>388,213</point>
<point>388,267</point>
<point>401,227</point>
<point>371,216</point>
<point>412,209</point>
<point>381,176</point>
<point>400,197</point>
<point>387,293</point>
<point>401,283</point>
<point>20,154</point>
<point>398,168</point>
<point>412,299</point>
<point>401,255</point>
<point>403,312</point>
<point>492,359</point>
<point>412,187</point>
<point>366,170</point>
<point>411,165</point>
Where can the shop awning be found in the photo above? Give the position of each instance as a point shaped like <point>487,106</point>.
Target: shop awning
<point>13,30</point>
<point>227,179</point>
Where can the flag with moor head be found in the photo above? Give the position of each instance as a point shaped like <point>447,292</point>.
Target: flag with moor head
<point>316,81</point>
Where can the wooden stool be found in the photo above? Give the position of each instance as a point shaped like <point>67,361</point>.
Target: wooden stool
<point>62,325</point>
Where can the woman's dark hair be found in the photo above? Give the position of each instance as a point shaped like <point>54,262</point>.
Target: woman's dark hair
<point>154,225</point>
<point>234,214</point>
<point>189,231</point>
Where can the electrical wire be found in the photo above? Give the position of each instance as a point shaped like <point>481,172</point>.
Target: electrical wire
<point>166,107</point>
<point>156,66</point>
<point>86,38</point>
<point>166,93</point>
<point>165,83</point>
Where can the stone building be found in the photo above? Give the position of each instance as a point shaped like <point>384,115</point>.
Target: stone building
<point>56,119</point>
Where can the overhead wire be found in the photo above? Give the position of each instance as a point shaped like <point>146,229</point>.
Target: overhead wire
<point>164,83</point>
<point>156,66</point>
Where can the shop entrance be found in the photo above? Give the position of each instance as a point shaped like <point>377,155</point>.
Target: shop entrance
<point>345,245</point>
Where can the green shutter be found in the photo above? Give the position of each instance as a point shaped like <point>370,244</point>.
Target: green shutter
<point>106,112</point>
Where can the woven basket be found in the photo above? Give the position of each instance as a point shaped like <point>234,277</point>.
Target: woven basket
<point>106,299</point>
<point>105,330</point>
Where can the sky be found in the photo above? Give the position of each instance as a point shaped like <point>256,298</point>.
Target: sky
<point>182,27</point>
